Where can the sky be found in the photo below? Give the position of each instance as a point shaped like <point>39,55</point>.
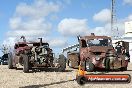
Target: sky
<point>59,22</point>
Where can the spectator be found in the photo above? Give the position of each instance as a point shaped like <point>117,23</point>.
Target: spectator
<point>119,48</point>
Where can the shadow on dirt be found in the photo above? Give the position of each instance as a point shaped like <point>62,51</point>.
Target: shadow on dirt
<point>114,70</point>
<point>35,70</point>
<point>19,68</point>
<point>129,70</point>
<point>44,85</point>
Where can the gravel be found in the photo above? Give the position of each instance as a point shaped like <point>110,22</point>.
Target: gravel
<point>11,78</point>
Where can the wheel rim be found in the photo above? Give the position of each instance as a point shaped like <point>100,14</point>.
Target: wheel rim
<point>87,66</point>
<point>81,80</point>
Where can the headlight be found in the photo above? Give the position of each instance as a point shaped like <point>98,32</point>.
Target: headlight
<point>126,58</point>
<point>97,58</point>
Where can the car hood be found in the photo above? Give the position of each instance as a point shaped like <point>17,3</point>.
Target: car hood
<point>99,48</point>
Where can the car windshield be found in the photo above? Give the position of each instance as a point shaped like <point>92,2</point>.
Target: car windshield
<point>22,45</point>
<point>46,46</point>
<point>98,42</point>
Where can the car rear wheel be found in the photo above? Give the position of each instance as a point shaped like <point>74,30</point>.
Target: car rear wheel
<point>62,63</point>
<point>10,61</point>
<point>26,63</point>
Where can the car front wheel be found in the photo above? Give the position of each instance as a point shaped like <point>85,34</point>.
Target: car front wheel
<point>89,66</point>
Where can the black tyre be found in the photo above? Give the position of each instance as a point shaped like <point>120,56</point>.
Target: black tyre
<point>123,68</point>
<point>81,80</point>
<point>107,64</point>
<point>89,66</point>
<point>10,61</point>
<point>26,63</point>
<point>62,63</point>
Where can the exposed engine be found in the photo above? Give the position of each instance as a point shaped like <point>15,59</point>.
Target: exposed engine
<point>42,55</point>
<point>34,54</point>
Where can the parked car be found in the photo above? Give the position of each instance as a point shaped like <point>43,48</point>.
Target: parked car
<point>4,59</point>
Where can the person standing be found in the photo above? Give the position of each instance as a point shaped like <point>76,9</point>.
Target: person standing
<point>119,48</point>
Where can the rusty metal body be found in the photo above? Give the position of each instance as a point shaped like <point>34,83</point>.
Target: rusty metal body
<point>34,54</point>
<point>99,52</point>
<point>46,59</point>
<point>73,59</point>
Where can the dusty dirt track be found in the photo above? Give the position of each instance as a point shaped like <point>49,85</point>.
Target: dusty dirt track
<point>43,79</point>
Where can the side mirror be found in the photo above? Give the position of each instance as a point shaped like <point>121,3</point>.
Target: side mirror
<point>78,37</point>
<point>16,46</point>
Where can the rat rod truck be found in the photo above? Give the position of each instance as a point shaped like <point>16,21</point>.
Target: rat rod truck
<point>34,55</point>
<point>97,52</point>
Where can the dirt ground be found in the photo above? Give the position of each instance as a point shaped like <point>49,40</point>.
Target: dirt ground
<point>45,79</point>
